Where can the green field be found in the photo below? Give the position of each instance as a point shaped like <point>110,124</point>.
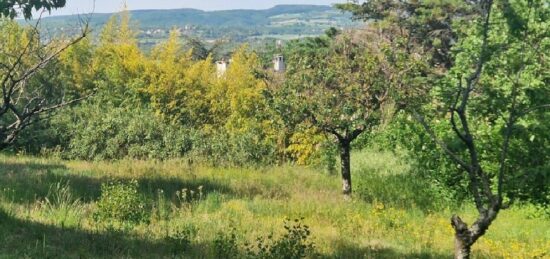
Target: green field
<point>48,208</point>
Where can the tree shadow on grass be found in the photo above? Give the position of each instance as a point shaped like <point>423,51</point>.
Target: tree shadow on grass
<point>25,183</point>
<point>25,239</point>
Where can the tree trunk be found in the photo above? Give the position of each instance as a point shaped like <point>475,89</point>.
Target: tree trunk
<point>345,148</point>
<point>462,249</point>
<point>463,238</point>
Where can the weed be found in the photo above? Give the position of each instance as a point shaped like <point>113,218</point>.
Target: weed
<point>61,205</point>
<point>188,197</point>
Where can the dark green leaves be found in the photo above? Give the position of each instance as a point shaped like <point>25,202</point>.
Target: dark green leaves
<point>14,8</point>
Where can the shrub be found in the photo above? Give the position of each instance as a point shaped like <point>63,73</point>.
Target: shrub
<point>120,202</point>
<point>250,147</point>
<point>226,246</point>
<point>181,238</point>
<point>91,133</point>
<point>294,244</point>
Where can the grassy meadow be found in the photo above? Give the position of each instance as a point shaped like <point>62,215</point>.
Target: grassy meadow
<point>48,210</point>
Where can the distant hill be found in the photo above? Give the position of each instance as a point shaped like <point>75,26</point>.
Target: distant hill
<point>282,21</point>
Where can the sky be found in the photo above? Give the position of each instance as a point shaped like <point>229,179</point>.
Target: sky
<point>109,6</point>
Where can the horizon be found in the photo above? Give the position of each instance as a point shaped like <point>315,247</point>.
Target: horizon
<point>76,7</point>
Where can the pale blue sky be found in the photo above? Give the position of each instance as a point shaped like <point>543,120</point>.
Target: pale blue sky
<point>108,6</point>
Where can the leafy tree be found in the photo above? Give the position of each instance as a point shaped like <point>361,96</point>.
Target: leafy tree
<point>426,23</point>
<point>240,108</point>
<point>341,86</point>
<point>200,49</point>
<point>27,91</point>
<point>118,64</point>
<point>493,95</point>
<point>179,86</point>
<point>11,8</point>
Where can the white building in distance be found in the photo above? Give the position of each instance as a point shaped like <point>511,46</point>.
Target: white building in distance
<point>221,67</point>
<point>279,63</point>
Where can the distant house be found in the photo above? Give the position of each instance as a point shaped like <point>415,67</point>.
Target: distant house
<point>279,63</point>
<point>221,67</point>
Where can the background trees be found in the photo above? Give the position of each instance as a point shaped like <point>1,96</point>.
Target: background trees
<point>485,94</point>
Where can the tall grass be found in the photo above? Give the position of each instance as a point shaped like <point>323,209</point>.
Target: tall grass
<point>47,208</point>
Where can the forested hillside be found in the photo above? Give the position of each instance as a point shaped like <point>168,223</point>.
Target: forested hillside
<point>281,22</point>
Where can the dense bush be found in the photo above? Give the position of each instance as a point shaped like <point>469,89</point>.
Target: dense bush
<point>223,148</point>
<point>120,202</point>
<point>117,133</point>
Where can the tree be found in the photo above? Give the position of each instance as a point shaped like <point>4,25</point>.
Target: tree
<point>494,95</point>
<point>118,63</point>
<point>178,85</point>
<point>427,24</point>
<point>26,91</point>
<point>341,86</point>
<point>200,49</point>
<point>11,8</point>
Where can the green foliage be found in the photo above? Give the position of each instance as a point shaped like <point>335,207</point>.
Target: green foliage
<point>513,81</point>
<point>294,244</point>
<point>120,202</point>
<point>337,84</point>
<point>246,148</point>
<point>116,133</point>
<point>226,246</point>
<point>30,84</point>
<point>181,238</point>
<point>430,23</point>
<point>430,166</point>
<point>11,9</point>
<point>514,84</point>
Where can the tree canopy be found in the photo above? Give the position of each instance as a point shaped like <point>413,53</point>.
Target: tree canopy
<point>13,8</point>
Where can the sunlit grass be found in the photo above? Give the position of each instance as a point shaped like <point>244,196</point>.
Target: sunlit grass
<point>254,201</point>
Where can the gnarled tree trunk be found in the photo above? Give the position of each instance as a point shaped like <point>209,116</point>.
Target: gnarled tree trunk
<point>463,241</point>
<point>465,237</point>
<point>345,148</point>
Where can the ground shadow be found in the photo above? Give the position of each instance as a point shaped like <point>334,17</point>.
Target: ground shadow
<point>25,183</point>
<point>26,239</point>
